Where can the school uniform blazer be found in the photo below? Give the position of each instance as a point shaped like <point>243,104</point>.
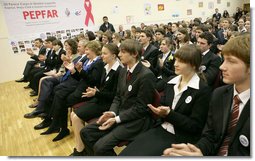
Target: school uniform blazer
<point>151,54</point>
<point>108,86</point>
<point>168,66</point>
<point>190,113</point>
<point>58,61</point>
<point>217,124</point>
<point>91,77</point>
<point>210,66</point>
<point>50,61</point>
<point>130,102</point>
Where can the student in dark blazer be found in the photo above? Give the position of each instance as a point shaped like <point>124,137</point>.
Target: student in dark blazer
<point>106,26</point>
<point>49,64</point>
<point>227,131</point>
<point>101,97</point>
<point>30,64</point>
<point>216,15</point>
<point>48,83</point>
<point>66,83</point>
<point>150,53</point>
<point>89,75</point>
<point>184,108</point>
<point>165,63</point>
<point>56,64</point>
<point>128,115</point>
<point>210,61</point>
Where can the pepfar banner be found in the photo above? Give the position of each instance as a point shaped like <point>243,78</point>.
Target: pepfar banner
<point>27,20</point>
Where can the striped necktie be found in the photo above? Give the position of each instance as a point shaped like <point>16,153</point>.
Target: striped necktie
<point>231,127</point>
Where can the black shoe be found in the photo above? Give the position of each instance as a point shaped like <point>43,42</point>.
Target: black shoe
<point>27,87</point>
<point>42,115</point>
<point>61,135</point>
<point>34,105</point>
<point>50,131</point>
<point>32,114</point>
<point>76,153</point>
<point>21,80</point>
<point>33,93</point>
<point>45,123</point>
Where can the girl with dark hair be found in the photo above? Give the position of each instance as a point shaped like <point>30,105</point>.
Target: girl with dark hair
<point>183,110</point>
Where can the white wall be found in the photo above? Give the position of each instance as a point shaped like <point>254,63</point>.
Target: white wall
<point>11,65</point>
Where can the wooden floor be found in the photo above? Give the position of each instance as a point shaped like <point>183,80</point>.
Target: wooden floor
<point>17,136</point>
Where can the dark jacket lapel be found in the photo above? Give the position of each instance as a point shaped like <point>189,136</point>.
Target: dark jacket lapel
<point>226,107</point>
<point>184,96</point>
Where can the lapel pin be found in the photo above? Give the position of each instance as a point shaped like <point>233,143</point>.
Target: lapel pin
<point>130,88</point>
<point>188,99</point>
<point>244,140</point>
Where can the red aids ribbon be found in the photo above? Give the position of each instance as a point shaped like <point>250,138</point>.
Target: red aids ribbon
<point>88,8</point>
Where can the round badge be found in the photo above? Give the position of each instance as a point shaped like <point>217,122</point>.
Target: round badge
<point>202,68</point>
<point>188,99</point>
<point>107,78</point>
<point>142,57</point>
<point>244,140</point>
<point>129,88</point>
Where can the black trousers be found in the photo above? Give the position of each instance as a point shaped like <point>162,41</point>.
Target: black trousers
<point>98,142</point>
<point>29,66</point>
<point>151,143</point>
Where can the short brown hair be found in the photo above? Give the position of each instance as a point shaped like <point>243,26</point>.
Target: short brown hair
<point>132,46</point>
<point>239,47</point>
<point>94,46</point>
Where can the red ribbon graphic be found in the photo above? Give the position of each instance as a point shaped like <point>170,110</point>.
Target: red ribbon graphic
<point>88,9</point>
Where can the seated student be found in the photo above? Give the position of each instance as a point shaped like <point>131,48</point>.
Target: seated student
<point>210,62</point>
<point>227,131</point>
<point>165,63</point>
<point>57,46</point>
<point>89,75</point>
<point>183,111</point>
<point>50,63</point>
<point>128,115</point>
<point>49,82</point>
<point>63,82</point>
<point>102,97</point>
<point>150,55</point>
<point>30,64</point>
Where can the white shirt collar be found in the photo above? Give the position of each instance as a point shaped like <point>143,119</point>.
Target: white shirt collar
<point>193,83</point>
<point>244,96</point>
<point>57,52</point>
<point>114,67</point>
<point>146,47</point>
<point>133,68</point>
<point>205,52</point>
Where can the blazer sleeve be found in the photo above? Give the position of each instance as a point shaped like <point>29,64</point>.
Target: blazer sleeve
<point>117,99</point>
<point>93,76</point>
<point>109,94</point>
<point>145,95</point>
<point>194,123</point>
<point>212,70</point>
<point>209,142</point>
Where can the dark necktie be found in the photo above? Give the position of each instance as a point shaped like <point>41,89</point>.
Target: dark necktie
<point>129,76</point>
<point>231,127</point>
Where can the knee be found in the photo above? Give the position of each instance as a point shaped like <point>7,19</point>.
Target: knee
<point>83,134</point>
<point>75,118</point>
<point>99,149</point>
